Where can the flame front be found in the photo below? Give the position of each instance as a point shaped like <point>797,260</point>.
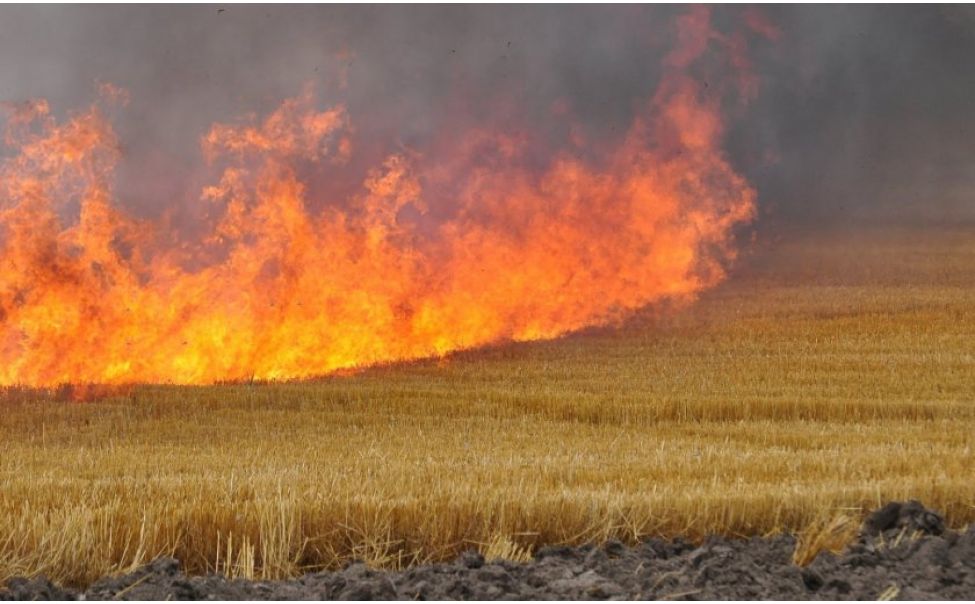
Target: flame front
<point>428,257</point>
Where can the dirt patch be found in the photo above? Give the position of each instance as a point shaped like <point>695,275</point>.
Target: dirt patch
<point>904,552</point>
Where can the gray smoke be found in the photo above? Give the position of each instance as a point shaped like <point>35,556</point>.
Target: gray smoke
<point>864,113</point>
<point>870,111</point>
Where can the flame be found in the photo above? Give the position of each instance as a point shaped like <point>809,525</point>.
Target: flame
<point>426,258</point>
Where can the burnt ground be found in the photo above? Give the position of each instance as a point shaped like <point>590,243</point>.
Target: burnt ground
<point>903,552</point>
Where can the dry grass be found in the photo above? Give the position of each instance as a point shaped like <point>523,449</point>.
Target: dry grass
<point>831,534</point>
<point>828,376</point>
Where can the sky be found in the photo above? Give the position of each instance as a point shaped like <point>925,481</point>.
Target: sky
<point>863,113</point>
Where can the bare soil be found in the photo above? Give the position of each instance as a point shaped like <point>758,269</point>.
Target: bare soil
<point>903,552</point>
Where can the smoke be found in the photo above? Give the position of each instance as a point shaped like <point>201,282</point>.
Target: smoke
<point>863,112</point>
<point>866,115</point>
<point>406,73</point>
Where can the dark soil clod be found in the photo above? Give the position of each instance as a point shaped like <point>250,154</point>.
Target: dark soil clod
<point>896,516</point>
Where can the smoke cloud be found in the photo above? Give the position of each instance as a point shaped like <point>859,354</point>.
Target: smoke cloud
<point>862,112</point>
<point>866,115</point>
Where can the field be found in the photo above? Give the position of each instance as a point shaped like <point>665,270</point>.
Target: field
<point>829,374</point>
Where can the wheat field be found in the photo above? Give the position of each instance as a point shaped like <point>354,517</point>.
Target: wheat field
<point>829,374</point>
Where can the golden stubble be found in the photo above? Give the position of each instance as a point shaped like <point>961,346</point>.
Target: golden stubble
<point>829,375</point>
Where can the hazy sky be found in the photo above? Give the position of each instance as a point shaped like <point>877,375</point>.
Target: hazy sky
<point>864,112</point>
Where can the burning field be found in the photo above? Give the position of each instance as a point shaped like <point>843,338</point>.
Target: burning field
<point>501,334</point>
<point>435,251</point>
<point>783,400</point>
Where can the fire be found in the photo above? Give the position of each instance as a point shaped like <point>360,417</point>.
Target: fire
<point>427,258</point>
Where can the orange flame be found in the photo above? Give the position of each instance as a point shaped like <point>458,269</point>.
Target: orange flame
<point>277,291</point>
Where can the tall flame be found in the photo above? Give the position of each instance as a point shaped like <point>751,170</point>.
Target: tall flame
<point>423,260</point>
